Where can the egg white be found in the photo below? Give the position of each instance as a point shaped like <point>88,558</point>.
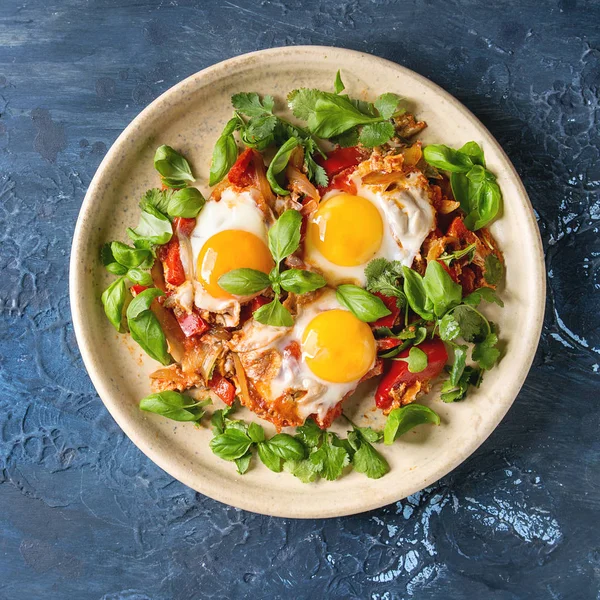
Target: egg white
<point>295,374</point>
<point>234,211</point>
<point>407,217</point>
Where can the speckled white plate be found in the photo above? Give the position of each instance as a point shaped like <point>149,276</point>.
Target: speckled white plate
<point>189,117</point>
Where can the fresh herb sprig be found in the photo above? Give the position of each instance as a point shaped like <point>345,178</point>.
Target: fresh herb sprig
<point>284,239</point>
<point>175,406</point>
<point>473,185</point>
<point>330,115</point>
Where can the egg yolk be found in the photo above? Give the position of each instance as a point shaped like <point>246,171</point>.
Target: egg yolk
<point>347,230</point>
<point>228,250</point>
<point>337,347</point>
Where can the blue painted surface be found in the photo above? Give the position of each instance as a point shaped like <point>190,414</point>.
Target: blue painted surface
<point>84,515</point>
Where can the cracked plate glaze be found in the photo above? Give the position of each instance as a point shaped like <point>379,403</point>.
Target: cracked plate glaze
<point>189,117</point>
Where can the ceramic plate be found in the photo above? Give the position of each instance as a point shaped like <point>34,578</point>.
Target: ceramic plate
<point>189,117</point>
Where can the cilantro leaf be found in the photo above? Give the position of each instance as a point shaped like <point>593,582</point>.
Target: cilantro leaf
<point>417,360</point>
<point>485,352</point>
<point>302,102</point>
<point>383,276</point>
<point>309,433</point>
<point>455,392</point>
<point>304,470</point>
<point>370,462</point>
<point>376,134</point>
<point>458,366</point>
<point>156,198</point>
<point>329,459</point>
<point>250,104</point>
<point>494,269</point>
<point>484,293</point>
<point>468,251</point>
<point>386,104</point>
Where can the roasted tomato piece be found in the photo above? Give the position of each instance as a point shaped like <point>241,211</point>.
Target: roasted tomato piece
<point>184,226</point>
<point>137,289</point>
<point>340,159</point>
<point>257,302</point>
<point>171,260</point>
<point>388,343</point>
<point>223,388</point>
<point>390,303</point>
<point>192,324</point>
<point>242,172</point>
<point>397,371</point>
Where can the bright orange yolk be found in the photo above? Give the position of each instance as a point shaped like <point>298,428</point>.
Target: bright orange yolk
<point>228,250</point>
<point>347,230</point>
<point>337,347</point>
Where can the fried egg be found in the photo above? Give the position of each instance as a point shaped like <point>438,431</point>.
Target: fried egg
<point>347,231</point>
<point>230,234</point>
<point>320,360</point>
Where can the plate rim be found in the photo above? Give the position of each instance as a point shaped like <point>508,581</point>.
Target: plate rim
<point>83,338</point>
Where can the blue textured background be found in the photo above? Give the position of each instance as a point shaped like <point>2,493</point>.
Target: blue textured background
<point>84,515</point>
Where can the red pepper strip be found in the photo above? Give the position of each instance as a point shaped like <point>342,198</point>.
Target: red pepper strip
<point>223,388</point>
<point>398,372</point>
<point>388,343</point>
<point>184,226</point>
<point>340,159</point>
<point>242,172</point>
<point>171,260</point>
<point>137,289</point>
<point>390,303</point>
<point>257,302</point>
<point>192,324</point>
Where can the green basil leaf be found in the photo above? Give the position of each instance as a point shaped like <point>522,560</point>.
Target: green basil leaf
<point>485,352</point>
<point>218,419</point>
<point>460,190</point>
<point>443,292</point>
<point>484,198</point>
<point>171,165</point>
<point>301,282</point>
<point>243,463</point>
<point>460,361</point>
<point>447,159</point>
<point>140,277</point>
<point>279,163</point>
<point>130,257</point>
<point>106,255</point>
<point>116,269</point>
<point>146,331</point>
<point>387,104</point>
<point>369,461</point>
<point>362,304</point>
<point>403,419</point>
<point>417,360</point>
<point>174,405</point>
<point>186,203</point>
<point>376,134</point>
<point>274,314</point>
<point>154,229</point>
<point>268,457</point>
<point>142,302</point>
<point>287,447</point>
<point>145,328</point>
<point>284,236</point>
<point>113,300</point>
<point>230,445</point>
<point>256,432</point>
<point>474,152</point>
<point>414,289</point>
<point>225,153</point>
<point>338,84</point>
<point>244,282</point>
<point>249,103</point>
